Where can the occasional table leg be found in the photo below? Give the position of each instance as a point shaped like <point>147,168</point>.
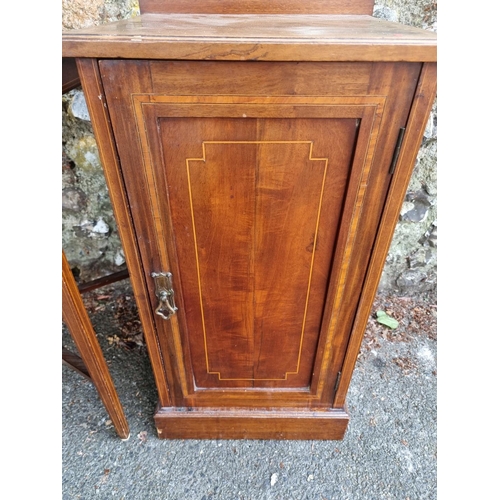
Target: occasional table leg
<point>76,318</point>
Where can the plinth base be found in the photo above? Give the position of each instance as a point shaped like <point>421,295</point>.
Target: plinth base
<point>240,423</point>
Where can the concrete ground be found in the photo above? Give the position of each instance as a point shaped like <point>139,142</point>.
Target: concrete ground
<point>389,451</point>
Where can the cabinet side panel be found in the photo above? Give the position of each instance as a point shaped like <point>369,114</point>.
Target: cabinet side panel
<point>397,83</point>
<point>420,109</point>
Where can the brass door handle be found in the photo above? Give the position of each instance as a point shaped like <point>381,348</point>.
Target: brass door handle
<point>165,294</point>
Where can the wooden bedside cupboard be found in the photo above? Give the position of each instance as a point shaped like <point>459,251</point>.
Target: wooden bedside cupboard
<point>257,155</point>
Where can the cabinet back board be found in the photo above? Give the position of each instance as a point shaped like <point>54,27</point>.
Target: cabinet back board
<point>256,6</point>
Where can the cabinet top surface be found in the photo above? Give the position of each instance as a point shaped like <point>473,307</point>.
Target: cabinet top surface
<point>266,37</point>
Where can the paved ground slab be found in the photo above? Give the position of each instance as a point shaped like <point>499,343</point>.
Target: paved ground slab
<point>389,451</point>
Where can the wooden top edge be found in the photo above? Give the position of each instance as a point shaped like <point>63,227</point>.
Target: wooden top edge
<point>304,26</point>
<point>256,37</point>
<point>256,6</point>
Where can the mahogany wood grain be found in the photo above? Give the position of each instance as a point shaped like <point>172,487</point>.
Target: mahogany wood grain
<point>243,78</point>
<point>398,82</point>
<point>207,423</point>
<point>256,6</point>
<point>421,107</point>
<point>79,326</point>
<point>249,37</point>
<point>259,243</point>
<point>157,131</point>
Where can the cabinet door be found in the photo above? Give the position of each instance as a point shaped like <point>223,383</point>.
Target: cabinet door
<point>259,186</point>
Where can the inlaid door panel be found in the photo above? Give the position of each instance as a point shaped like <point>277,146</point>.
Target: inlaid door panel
<point>254,203</point>
<point>262,212</point>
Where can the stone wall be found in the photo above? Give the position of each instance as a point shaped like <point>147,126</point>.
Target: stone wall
<point>411,265</point>
<point>89,235</point>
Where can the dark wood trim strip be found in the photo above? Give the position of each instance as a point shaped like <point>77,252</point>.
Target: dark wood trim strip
<point>70,78</point>
<point>73,361</point>
<point>103,281</point>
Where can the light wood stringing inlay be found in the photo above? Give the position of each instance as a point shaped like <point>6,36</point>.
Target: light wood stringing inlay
<point>203,158</point>
<point>371,110</point>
